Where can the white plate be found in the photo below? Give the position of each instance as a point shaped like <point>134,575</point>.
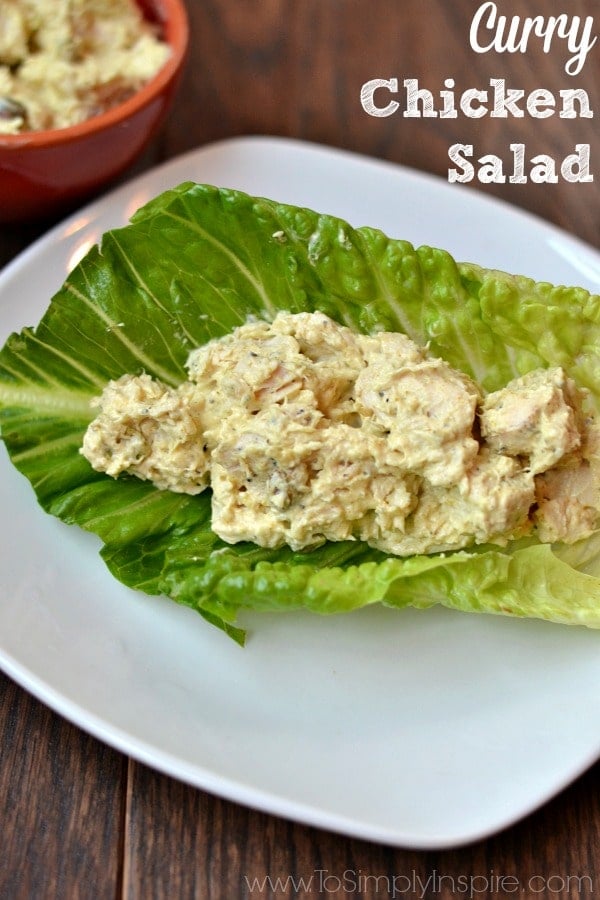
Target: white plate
<point>421,729</point>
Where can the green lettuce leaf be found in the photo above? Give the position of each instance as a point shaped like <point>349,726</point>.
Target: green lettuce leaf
<point>193,264</point>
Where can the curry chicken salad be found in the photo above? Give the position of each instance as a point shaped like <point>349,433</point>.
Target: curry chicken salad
<point>308,432</point>
<point>64,61</point>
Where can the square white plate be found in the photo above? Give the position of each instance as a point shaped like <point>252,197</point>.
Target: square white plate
<point>420,729</point>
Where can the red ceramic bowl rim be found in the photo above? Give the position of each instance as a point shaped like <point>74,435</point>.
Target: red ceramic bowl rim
<point>175,23</point>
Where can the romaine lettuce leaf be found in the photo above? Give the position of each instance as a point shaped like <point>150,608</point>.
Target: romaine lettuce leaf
<point>193,264</point>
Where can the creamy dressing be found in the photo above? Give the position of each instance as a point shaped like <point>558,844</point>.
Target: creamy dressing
<point>306,432</point>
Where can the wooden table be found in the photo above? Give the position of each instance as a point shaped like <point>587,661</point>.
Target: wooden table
<point>81,820</point>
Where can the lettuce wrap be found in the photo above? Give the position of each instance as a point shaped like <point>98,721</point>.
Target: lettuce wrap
<point>193,264</point>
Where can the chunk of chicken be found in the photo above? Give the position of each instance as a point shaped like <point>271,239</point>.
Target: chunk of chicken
<point>426,409</point>
<point>149,430</point>
<point>335,356</point>
<point>491,503</point>
<point>304,357</point>
<point>533,417</point>
<point>568,499</point>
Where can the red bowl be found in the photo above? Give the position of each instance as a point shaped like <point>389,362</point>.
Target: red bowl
<point>44,172</point>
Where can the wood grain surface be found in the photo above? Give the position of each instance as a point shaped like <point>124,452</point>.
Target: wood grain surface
<point>80,820</point>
